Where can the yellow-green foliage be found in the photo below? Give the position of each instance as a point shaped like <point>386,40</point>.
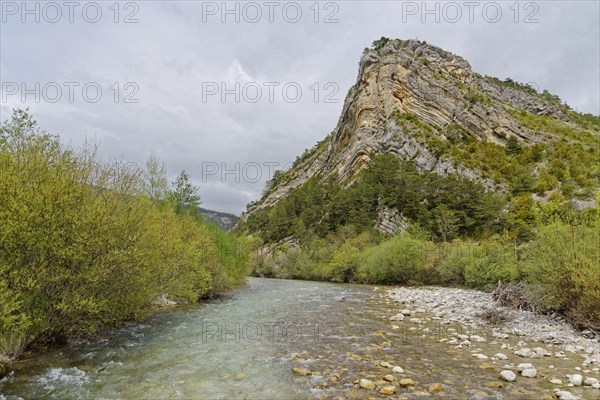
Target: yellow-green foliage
<point>493,262</point>
<point>81,247</point>
<point>401,259</point>
<point>565,261</point>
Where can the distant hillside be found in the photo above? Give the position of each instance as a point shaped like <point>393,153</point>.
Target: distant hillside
<point>224,220</point>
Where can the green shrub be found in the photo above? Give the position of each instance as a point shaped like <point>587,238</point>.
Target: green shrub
<point>491,263</point>
<point>83,248</point>
<point>400,260</point>
<point>565,261</point>
<point>456,258</point>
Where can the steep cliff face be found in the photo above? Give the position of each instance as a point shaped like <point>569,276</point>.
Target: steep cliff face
<point>404,85</point>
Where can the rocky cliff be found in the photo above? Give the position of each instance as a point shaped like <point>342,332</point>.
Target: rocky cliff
<point>403,86</point>
<point>224,220</point>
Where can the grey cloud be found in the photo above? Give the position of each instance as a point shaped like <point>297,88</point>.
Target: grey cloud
<point>170,52</point>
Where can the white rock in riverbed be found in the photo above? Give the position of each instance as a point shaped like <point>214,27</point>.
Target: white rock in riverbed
<point>397,317</point>
<point>576,379</point>
<point>501,356</point>
<point>564,395</point>
<point>556,381</point>
<point>589,381</point>
<point>524,366</point>
<point>397,369</point>
<point>508,376</point>
<point>540,351</point>
<point>529,373</point>
<point>527,352</point>
<point>366,384</point>
<point>477,339</point>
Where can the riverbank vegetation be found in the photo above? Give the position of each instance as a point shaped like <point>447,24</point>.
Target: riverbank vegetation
<point>459,235</point>
<point>87,245</point>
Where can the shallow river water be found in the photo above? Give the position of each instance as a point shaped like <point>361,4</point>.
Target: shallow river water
<point>245,346</point>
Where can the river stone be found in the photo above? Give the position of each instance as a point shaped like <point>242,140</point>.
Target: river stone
<point>301,371</point>
<point>389,378</point>
<point>556,381</point>
<point>397,317</point>
<point>388,390</point>
<point>540,351</point>
<point>239,376</point>
<point>526,352</point>
<point>406,382</point>
<point>590,381</point>
<point>576,379</point>
<point>508,376</point>
<point>501,356</point>
<point>436,388</point>
<point>397,369</point>
<point>564,395</point>
<point>524,366</point>
<point>477,339</point>
<point>406,312</point>
<point>529,373</point>
<point>596,385</point>
<point>385,364</point>
<point>366,384</point>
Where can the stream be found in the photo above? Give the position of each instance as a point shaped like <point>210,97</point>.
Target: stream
<point>246,344</point>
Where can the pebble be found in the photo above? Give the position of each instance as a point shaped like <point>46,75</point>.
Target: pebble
<point>398,370</point>
<point>301,371</point>
<point>385,364</point>
<point>556,381</point>
<point>590,381</point>
<point>524,366</point>
<point>526,352</point>
<point>477,339</point>
<point>389,390</point>
<point>406,312</point>
<point>366,384</point>
<point>501,356</point>
<point>397,317</point>
<point>529,373</point>
<point>436,388</point>
<point>406,382</point>
<point>508,376</point>
<point>389,378</point>
<point>576,379</point>
<point>540,351</point>
<point>564,395</point>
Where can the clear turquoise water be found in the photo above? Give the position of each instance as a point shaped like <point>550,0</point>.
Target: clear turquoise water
<point>245,345</point>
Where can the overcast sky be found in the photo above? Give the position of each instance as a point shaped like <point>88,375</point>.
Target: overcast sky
<point>175,58</point>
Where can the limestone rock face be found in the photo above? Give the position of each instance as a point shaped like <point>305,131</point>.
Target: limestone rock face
<point>440,89</point>
<point>390,221</point>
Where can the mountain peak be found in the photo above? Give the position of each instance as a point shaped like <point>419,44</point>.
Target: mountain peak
<point>419,102</point>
